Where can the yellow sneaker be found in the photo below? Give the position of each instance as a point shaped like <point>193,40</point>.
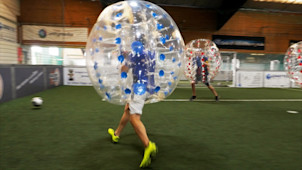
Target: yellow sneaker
<point>150,151</point>
<point>114,138</point>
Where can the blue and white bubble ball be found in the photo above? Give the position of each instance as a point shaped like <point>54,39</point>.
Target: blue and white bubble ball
<point>135,50</point>
<point>199,52</point>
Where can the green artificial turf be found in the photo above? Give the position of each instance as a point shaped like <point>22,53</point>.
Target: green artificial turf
<point>70,131</point>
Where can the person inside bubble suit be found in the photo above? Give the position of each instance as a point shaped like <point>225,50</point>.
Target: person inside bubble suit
<point>202,60</point>
<point>141,64</point>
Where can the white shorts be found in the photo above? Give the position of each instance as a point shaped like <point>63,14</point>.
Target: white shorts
<point>137,103</point>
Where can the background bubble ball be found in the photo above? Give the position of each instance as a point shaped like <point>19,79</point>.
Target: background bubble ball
<point>293,63</point>
<point>134,49</point>
<point>196,52</point>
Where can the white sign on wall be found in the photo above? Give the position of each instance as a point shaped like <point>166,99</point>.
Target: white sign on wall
<point>76,76</point>
<point>48,33</point>
<point>276,79</point>
<point>249,79</point>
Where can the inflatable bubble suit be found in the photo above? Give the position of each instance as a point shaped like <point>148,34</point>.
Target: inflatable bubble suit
<point>293,63</point>
<point>202,55</point>
<point>134,50</point>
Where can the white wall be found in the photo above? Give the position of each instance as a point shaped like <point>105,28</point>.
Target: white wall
<point>73,57</point>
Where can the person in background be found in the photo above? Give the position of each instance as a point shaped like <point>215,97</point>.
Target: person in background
<point>202,63</point>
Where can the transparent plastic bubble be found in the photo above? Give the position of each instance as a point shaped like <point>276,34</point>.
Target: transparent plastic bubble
<point>293,63</point>
<point>135,50</point>
<point>203,58</point>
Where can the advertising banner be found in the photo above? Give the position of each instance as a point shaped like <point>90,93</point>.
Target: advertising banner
<point>249,79</point>
<point>49,33</point>
<point>276,79</point>
<point>5,85</point>
<point>29,81</point>
<point>76,76</point>
<point>54,77</point>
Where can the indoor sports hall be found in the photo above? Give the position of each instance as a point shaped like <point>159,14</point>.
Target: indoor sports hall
<point>63,84</point>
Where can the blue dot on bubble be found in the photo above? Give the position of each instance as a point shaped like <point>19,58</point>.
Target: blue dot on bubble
<point>173,60</point>
<point>172,72</point>
<point>121,58</point>
<point>169,83</point>
<point>98,75</point>
<point>167,37</point>
<point>139,88</point>
<point>123,75</point>
<point>102,86</point>
<point>108,96</point>
<point>97,50</point>
<point>100,38</point>
<point>163,40</point>
<point>161,73</point>
<point>118,26</point>
<point>148,6</point>
<point>157,89</point>
<point>159,26</point>
<point>127,91</point>
<point>100,81</point>
<point>171,48</point>
<point>166,93</point>
<point>105,28</point>
<point>179,64</point>
<point>137,47</point>
<point>95,66</point>
<point>118,40</point>
<point>119,14</point>
<point>162,57</point>
<point>175,77</point>
<point>154,15</point>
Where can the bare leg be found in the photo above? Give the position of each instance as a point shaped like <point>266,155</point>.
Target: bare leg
<point>150,147</point>
<point>123,122</point>
<point>139,128</point>
<point>193,89</point>
<point>213,90</point>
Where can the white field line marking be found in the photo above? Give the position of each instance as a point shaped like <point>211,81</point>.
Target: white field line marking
<point>235,100</point>
<point>292,111</point>
<point>295,89</point>
<point>202,87</point>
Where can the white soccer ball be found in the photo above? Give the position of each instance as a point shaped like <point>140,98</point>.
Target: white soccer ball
<point>37,101</point>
